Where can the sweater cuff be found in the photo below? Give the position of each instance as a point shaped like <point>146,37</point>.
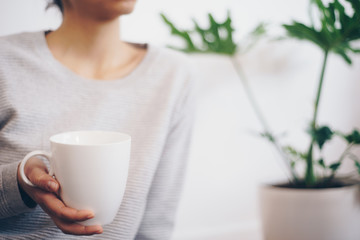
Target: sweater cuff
<point>11,201</point>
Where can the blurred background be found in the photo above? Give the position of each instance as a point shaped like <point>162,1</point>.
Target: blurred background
<point>229,160</point>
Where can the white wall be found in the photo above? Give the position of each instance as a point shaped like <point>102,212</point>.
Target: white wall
<point>228,161</point>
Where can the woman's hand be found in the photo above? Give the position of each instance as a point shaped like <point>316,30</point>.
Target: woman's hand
<point>46,195</point>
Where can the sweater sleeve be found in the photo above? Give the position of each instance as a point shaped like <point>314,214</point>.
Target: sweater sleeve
<point>158,219</point>
<point>11,201</point>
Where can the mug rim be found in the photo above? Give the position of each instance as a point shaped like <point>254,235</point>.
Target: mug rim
<point>54,138</point>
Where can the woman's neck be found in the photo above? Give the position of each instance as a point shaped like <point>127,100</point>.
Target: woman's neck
<point>91,40</point>
<point>91,49</point>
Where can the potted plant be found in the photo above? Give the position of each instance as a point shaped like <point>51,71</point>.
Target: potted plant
<point>315,203</point>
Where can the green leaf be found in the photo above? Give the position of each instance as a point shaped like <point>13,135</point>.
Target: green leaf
<point>268,136</point>
<point>292,164</point>
<point>190,47</point>
<point>355,5</point>
<point>357,165</point>
<point>343,18</point>
<point>295,153</point>
<point>337,30</point>
<point>321,135</point>
<point>303,32</point>
<point>252,38</point>
<point>331,16</point>
<point>322,163</point>
<point>354,50</point>
<point>259,30</point>
<point>343,54</point>
<point>353,137</point>
<point>335,166</point>
<point>217,38</point>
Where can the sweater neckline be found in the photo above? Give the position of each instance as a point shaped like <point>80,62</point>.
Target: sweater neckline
<point>136,73</point>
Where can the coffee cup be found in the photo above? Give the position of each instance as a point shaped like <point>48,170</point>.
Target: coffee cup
<point>92,169</point>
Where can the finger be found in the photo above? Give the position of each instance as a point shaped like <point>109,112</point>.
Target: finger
<point>55,207</point>
<point>39,177</point>
<point>35,162</point>
<point>77,229</point>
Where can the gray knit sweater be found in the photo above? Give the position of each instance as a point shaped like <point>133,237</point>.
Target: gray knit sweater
<point>40,97</point>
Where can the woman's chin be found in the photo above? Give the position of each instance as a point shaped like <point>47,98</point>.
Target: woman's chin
<point>103,10</point>
<point>122,7</point>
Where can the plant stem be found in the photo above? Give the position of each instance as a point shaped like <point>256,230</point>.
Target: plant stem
<point>343,155</point>
<point>309,175</point>
<point>260,116</point>
<point>320,88</point>
<point>250,95</point>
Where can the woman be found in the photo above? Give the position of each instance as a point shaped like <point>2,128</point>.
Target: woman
<point>82,77</point>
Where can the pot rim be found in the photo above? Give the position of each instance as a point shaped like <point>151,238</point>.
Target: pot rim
<point>277,187</point>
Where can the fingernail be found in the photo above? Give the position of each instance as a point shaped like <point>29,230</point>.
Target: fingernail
<point>52,185</point>
<point>90,215</point>
<point>100,230</point>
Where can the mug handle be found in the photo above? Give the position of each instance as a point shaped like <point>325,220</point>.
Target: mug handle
<point>26,158</point>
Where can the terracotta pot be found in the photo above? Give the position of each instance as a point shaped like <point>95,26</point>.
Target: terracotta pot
<point>310,214</point>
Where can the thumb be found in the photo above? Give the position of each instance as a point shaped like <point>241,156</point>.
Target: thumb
<point>39,177</point>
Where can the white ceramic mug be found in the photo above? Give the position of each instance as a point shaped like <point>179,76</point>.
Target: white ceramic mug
<point>92,169</point>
